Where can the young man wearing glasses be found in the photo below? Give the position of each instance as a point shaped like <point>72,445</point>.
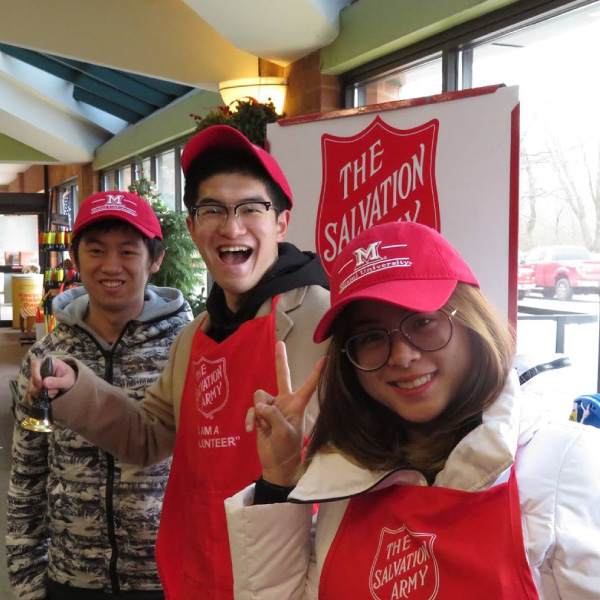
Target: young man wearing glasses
<point>264,290</point>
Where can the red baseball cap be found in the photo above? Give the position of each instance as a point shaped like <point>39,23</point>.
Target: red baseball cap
<point>224,136</point>
<point>115,204</point>
<point>402,263</point>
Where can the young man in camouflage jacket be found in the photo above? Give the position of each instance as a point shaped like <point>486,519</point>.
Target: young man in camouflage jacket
<point>82,524</point>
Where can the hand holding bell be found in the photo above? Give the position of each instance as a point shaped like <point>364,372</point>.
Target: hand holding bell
<point>40,412</point>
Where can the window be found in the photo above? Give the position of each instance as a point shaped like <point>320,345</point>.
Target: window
<point>67,201</point>
<point>165,178</point>
<point>125,178</point>
<point>163,169</point>
<point>110,180</point>
<point>144,169</point>
<point>19,235</point>
<point>421,79</point>
<point>571,253</point>
<point>550,57</point>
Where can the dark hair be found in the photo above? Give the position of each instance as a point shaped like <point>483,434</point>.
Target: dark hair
<point>227,160</point>
<point>154,245</point>
<point>374,437</point>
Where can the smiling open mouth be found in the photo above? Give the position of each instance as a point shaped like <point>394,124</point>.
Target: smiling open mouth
<point>234,255</point>
<point>111,284</point>
<point>415,383</point>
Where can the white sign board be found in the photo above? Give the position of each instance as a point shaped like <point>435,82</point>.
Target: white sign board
<point>448,161</point>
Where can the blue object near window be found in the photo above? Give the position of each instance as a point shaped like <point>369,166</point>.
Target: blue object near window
<point>586,410</point>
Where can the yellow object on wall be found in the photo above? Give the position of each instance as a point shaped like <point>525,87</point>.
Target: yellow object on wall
<point>27,291</point>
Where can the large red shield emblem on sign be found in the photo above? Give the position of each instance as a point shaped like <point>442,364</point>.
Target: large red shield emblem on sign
<point>379,175</point>
<point>404,566</point>
<point>212,385</point>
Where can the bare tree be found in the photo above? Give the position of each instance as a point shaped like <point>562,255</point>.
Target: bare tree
<point>529,198</point>
<point>580,188</point>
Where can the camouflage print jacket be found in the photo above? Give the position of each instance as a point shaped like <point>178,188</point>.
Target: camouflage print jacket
<point>77,515</point>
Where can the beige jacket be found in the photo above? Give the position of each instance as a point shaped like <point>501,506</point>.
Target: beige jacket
<point>106,417</point>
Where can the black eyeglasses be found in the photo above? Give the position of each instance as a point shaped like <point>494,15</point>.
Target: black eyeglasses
<point>214,214</point>
<point>371,349</point>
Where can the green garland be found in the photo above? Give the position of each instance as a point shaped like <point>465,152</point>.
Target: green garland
<point>250,117</point>
<point>182,266</point>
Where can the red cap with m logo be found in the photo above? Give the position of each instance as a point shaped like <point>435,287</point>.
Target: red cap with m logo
<point>402,263</point>
<point>123,206</point>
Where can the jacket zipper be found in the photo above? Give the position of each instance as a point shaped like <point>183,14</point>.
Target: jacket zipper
<point>110,472</point>
<point>110,509</point>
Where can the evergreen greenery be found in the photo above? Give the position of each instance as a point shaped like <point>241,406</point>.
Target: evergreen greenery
<point>182,267</point>
<point>250,117</point>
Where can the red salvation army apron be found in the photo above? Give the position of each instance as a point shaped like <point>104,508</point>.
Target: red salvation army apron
<point>214,458</point>
<point>430,543</point>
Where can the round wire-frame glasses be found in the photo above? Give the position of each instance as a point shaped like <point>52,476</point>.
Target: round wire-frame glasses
<point>371,349</point>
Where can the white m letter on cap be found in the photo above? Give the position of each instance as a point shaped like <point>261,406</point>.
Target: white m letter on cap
<point>368,254</point>
<point>114,199</point>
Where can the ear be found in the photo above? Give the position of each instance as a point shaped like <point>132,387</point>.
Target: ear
<point>155,266</point>
<point>72,257</point>
<point>283,222</point>
<point>189,223</point>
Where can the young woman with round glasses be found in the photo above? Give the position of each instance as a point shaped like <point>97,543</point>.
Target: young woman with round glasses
<point>436,476</point>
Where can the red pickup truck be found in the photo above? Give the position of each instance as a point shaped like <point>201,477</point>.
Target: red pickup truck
<point>560,271</point>
<point>525,280</point>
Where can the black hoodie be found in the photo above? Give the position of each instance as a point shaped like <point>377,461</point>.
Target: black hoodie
<point>293,269</point>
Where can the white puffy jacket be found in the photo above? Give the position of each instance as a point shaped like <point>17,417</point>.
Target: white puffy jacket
<point>278,552</point>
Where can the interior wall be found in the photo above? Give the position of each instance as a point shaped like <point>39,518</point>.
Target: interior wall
<point>88,180</point>
<point>309,90</point>
<point>32,180</point>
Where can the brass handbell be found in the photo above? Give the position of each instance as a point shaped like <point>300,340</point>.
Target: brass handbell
<point>40,412</point>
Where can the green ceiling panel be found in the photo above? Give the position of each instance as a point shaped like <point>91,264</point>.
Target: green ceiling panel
<point>370,29</point>
<point>12,150</point>
<point>169,124</point>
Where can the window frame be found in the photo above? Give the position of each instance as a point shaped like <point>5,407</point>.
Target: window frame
<point>132,163</point>
<point>71,186</point>
<point>456,45</point>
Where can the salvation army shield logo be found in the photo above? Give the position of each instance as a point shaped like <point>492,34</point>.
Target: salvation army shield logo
<point>404,566</point>
<point>381,174</point>
<point>212,385</point>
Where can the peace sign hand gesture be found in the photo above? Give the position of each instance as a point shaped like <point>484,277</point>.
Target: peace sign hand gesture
<point>279,422</point>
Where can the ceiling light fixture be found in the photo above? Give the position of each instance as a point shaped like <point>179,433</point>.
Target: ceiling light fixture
<point>262,89</point>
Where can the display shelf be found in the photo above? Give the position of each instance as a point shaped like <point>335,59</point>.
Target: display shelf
<point>56,278</point>
<point>55,240</point>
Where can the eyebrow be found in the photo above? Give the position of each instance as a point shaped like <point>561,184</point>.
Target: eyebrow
<point>215,201</point>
